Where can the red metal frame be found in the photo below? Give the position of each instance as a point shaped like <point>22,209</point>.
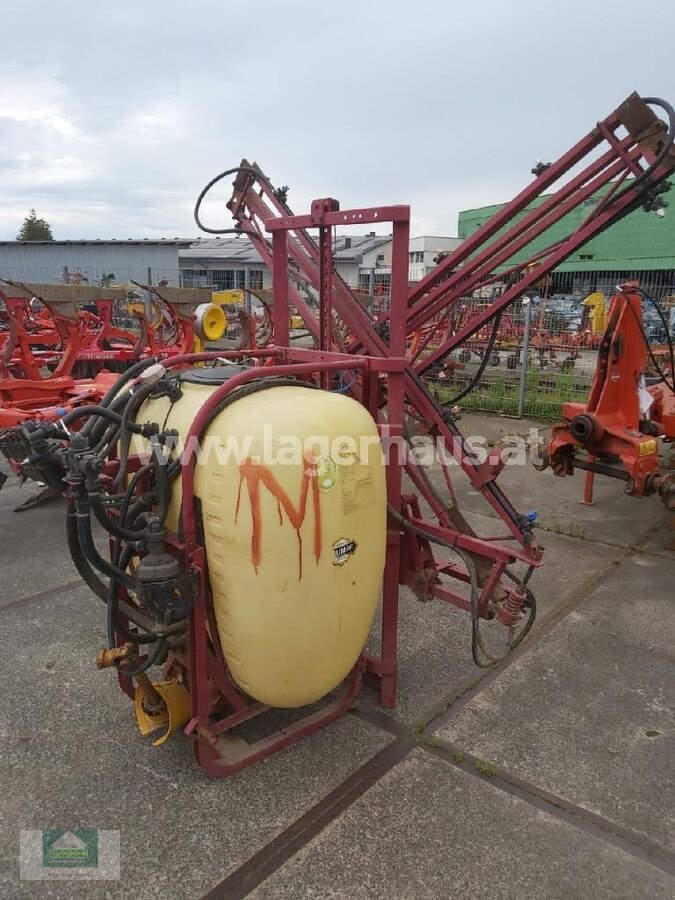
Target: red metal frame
<point>254,201</point>
<point>387,388</point>
<point>208,676</point>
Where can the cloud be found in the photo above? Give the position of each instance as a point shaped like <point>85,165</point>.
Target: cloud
<point>113,117</point>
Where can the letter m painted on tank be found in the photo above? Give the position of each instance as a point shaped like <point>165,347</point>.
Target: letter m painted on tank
<point>255,474</point>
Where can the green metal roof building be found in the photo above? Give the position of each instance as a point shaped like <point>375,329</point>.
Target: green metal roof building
<point>639,243</point>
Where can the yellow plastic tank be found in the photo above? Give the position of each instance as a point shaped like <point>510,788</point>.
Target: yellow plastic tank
<point>293,497</point>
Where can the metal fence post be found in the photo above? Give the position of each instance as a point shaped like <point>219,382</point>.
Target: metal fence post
<point>527,303</point>
<point>147,303</point>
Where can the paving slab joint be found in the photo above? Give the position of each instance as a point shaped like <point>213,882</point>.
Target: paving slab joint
<point>655,854</point>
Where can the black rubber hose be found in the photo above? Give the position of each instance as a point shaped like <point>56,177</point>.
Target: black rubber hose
<point>85,571</point>
<point>113,591</point>
<point>90,577</point>
<point>476,640</point>
<point>491,486</point>
<point>118,528</point>
<point>202,194</point>
<point>151,659</point>
<point>110,525</point>
<point>129,427</point>
<point>114,390</point>
<point>92,555</point>
<point>86,411</point>
<point>102,433</point>
<point>483,363</point>
<point>668,143</point>
<point>141,505</point>
<point>666,327</point>
<point>110,438</point>
<point>661,373</point>
<point>120,559</point>
<point>162,485</point>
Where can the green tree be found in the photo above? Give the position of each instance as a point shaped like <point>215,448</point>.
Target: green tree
<point>34,229</point>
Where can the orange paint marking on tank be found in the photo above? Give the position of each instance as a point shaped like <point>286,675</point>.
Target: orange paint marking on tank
<point>254,473</point>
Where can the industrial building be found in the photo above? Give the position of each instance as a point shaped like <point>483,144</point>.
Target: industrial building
<point>222,263</point>
<point>92,261</point>
<point>640,246</point>
<point>234,262</point>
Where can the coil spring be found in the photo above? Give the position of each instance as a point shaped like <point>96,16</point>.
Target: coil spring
<point>509,611</point>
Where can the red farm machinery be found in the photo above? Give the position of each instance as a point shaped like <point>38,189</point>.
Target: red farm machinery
<point>60,346</point>
<point>254,584</point>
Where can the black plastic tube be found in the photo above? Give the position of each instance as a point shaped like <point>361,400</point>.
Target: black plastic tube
<point>85,411</point>
<point>113,391</point>
<point>128,426</point>
<point>85,571</point>
<point>92,555</point>
<point>111,525</point>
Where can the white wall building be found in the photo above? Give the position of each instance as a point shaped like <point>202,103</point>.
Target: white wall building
<point>234,262</point>
<point>425,252</point>
<point>363,261</point>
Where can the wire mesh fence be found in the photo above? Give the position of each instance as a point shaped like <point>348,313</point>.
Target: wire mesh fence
<point>542,353</point>
<point>106,276</point>
<point>225,279</point>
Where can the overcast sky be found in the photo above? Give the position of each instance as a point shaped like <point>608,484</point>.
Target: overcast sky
<point>112,119</point>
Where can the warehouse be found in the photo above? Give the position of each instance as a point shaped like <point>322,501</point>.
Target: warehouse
<point>233,262</point>
<point>640,246</point>
<point>92,261</point>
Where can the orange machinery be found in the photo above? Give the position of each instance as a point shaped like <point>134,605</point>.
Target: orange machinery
<point>617,431</point>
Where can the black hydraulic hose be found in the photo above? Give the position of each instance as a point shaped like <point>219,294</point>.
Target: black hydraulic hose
<point>114,390</point>
<point>109,439</point>
<point>476,640</point>
<point>85,571</point>
<point>162,485</point>
<point>85,411</point>
<point>669,339</point>
<point>151,659</point>
<point>491,486</point>
<point>661,373</point>
<point>120,559</point>
<point>110,525</point>
<point>102,433</point>
<point>142,504</point>
<point>92,580</point>
<point>135,637</point>
<point>113,595</point>
<point>452,428</point>
<point>483,363</point>
<point>200,199</point>
<point>91,553</point>
<point>129,427</point>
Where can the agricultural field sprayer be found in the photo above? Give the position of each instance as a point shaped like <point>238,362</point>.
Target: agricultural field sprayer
<point>260,502</point>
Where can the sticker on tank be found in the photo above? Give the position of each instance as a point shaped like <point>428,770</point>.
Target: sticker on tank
<point>343,549</point>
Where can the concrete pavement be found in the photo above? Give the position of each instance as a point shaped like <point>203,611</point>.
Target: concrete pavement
<point>549,777</point>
